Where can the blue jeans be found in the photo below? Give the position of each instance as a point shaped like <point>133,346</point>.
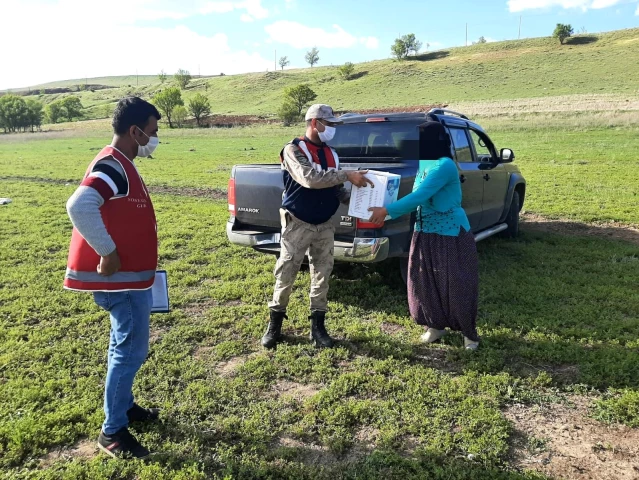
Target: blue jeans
<point>130,313</point>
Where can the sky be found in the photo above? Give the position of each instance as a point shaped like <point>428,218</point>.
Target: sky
<point>51,40</point>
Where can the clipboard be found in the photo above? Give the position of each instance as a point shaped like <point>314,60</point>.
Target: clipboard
<point>160,293</point>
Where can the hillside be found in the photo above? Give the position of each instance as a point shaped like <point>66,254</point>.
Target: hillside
<point>606,63</point>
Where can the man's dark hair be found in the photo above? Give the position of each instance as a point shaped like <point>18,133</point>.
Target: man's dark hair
<point>132,111</point>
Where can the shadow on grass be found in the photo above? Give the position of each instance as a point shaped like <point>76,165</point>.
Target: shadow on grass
<point>248,458</point>
<point>581,40</point>
<point>425,57</point>
<point>562,298</point>
<point>357,75</point>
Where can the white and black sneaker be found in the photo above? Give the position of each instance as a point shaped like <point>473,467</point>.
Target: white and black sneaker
<point>122,444</point>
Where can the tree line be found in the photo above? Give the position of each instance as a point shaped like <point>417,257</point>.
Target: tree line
<point>20,115</point>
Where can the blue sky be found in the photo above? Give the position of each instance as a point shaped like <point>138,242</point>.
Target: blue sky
<point>89,38</point>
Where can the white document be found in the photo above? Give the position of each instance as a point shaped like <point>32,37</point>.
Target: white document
<point>384,193</point>
<point>160,292</point>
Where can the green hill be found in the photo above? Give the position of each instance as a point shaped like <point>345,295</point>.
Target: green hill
<point>606,63</point>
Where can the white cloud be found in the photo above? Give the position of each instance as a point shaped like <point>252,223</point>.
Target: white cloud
<point>302,36</point>
<point>521,5</point>
<point>217,7</point>
<point>369,42</point>
<point>637,12</point>
<point>253,9</point>
<point>126,49</point>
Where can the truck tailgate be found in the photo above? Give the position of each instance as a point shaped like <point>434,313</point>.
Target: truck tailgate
<point>258,198</point>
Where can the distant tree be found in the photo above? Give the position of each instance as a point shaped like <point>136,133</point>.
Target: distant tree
<point>481,40</point>
<point>289,113</point>
<point>199,106</point>
<point>34,113</point>
<point>312,56</point>
<point>162,76</point>
<point>413,45</point>
<point>182,77</point>
<point>399,49</point>
<point>405,45</point>
<point>562,32</point>
<point>54,111</point>
<point>179,115</point>
<point>299,96</point>
<point>284,62</point>
<point>72,107</point>
<point>14,114</point>
<point>167,100</point>
<point>346,70</point>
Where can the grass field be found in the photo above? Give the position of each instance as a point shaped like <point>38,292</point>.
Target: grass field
<point>559,316</point>
<point>602,65</point>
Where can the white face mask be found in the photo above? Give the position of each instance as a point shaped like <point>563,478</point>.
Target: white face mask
<point>149,148</point>
<point>327,135</point>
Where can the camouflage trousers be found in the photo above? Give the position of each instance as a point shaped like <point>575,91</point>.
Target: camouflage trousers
<point>299,239</point>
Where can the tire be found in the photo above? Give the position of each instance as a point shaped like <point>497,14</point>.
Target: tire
<point>403,269</point>
<point>512,219</point>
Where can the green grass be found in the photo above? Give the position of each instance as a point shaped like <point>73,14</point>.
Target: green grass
<point>606,63</point>
<point>558,314</point>
<point>583,173</point>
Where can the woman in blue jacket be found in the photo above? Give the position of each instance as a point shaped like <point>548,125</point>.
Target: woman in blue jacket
<point>443,272</point>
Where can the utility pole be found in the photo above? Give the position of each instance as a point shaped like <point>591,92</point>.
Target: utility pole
<point>519,34</point>
<point>275,61</point>
<point>466,34</point>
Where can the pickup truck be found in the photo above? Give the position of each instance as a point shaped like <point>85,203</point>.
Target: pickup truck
<point>493,189</point>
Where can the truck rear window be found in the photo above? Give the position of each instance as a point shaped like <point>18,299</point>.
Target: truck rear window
<point>377,140</point>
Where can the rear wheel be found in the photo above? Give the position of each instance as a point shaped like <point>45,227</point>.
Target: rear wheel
<point>403,268</point>
<point>512,219</point>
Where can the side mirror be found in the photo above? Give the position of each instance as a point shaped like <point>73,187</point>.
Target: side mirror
<point>506,155</point>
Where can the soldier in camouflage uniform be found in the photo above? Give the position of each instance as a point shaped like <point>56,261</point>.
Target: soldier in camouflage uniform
<point>313,190</point>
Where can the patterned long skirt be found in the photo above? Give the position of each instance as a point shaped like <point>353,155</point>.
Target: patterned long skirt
<point>443,282</point>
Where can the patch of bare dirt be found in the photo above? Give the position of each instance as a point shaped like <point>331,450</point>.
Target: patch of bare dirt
<point>319,455</point>
<point>211,193</point>
<point>83,449</point>
<point>296,390</point>
<point>391,328</point>
<point>229,367</point>
<point>55,181</point>
<point>156,335</point>
<point>563,442</point>
<point>613,231</point>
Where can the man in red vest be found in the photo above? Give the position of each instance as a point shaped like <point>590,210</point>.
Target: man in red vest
<point>113,253</point>
<point>313,190</point>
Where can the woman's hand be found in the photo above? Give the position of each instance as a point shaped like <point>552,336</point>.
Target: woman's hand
<point>379,214</point>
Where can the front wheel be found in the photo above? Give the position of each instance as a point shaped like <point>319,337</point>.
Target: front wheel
<point>512,219</point>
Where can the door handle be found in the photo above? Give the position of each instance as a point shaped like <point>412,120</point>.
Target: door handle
<point>462,178</point>
<point>486,177</point>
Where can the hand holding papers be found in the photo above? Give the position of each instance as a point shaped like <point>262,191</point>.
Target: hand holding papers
<point>384,193</point>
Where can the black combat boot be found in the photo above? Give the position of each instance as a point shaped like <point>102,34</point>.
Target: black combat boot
<point>319,336</point>
<point>274,329</point>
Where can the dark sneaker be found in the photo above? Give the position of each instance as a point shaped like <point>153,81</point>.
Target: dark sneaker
<point>140,414</point>
<point>121,445</point>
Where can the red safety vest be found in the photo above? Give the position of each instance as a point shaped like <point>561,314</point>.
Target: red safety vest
<point>130,220</point>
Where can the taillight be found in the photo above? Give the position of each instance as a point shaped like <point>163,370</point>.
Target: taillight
<point>231,196</point>
<point>363,225</point>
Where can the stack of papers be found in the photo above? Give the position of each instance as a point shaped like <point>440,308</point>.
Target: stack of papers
<point>384,193</point>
